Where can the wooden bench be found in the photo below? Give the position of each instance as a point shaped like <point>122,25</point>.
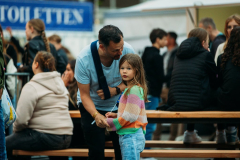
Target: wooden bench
<point>166,117</point>
<point>145,153</point>
<point>180,144</point>
<point>185,117</point>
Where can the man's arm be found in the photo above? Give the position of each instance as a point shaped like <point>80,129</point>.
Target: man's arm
<point>112,91</point>
<point>89,105</point>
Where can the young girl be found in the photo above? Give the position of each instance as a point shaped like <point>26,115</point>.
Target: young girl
<point>131,120</point>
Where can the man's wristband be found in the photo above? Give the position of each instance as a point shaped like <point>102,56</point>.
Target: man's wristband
<point>118,90</point>
<point>94,115</point>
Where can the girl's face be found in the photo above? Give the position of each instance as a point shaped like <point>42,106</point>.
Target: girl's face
<point>28,32</point>
<point>69,72</point>
<point>127,72</point>
<point>232,24</point>
<point>205,44</point>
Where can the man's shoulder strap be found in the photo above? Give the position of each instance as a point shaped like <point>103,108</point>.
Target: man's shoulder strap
<point>101,78</point>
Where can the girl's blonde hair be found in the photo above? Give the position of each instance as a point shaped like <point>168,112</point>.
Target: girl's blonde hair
<point>39,26</point>
<point>139,78</point>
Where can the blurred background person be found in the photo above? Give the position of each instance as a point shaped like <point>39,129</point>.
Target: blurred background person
<point>228,94</point>
<point>71,84</point>
<point>194,79</point>
<point>14,41</point>
<point>230,23</point>
<point>9,49</point>
<point>153,66</point>
<point>9,67</point>
<point>61,54</point>
<point>35,34</point>
<point>168,60</point>
<point>2,121</point>
<point>216,37</point>
<point>69,54</point>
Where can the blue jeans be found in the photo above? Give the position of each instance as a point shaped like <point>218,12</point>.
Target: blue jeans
<point>2,135</point>
<point>152,105</point>
<point>132,145</point>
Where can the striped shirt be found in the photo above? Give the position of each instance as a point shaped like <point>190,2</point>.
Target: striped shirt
<point>131,113</point>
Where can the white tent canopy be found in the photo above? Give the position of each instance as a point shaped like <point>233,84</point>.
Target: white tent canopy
<point>136,22</point>
<point>175,4</point>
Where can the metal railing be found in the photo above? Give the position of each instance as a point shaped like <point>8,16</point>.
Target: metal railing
<point>17,74</point>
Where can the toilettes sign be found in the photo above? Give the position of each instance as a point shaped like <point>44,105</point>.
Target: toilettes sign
<point>69,16</point>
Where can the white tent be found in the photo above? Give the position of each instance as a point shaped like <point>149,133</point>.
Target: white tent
<point>137,21</point>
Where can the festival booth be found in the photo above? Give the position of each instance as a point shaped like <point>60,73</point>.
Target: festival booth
<point>136,22</point>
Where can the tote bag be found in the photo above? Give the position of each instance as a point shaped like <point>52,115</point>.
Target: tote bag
<point>9,113</point>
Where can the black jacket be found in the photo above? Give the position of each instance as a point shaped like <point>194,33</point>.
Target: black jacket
<point>16,43</point>
<point>228,94</point>
<point>62,61</point>
<point>153,66</point>
<point>215,43</point>
<point>31,49</point>
<point>167,77</point>
<point>193,77</point>
<point>12,53</point>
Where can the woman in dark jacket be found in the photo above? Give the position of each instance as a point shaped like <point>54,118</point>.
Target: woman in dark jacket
<point>35,34</point>
<point>228,94</point>
<point>194,77</point>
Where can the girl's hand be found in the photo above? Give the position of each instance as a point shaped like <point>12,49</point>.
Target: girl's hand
<point>111,115</point>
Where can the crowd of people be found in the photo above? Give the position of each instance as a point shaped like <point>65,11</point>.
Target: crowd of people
<point>112,87</point>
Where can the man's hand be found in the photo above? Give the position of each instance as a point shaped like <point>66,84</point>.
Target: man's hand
<point>101,121</point>
<point>112,91</point>
<point>111,115</point>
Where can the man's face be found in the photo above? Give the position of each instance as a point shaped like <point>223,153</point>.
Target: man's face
<point>163,42</point>
<point>114,50</point>
<point>170,40</point>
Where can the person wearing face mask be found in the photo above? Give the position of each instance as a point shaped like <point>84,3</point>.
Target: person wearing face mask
<point>231,22</point>
<point>193,79</point>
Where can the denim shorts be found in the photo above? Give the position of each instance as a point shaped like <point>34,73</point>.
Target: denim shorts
<point>132,145</point>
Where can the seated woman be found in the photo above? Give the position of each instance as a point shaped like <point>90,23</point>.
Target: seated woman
<point>43,120</point>
<point>228,94</point>
<point>194,79</point>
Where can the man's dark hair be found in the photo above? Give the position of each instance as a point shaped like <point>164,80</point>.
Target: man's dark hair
<point>109,33</point>
<point>173,35</point>
<point>157,33</point>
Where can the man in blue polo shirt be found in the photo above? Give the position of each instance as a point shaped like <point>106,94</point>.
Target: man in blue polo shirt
<point>111,48</point>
